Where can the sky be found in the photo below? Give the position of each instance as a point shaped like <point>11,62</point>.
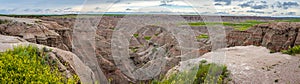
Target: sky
<point>204,7</point>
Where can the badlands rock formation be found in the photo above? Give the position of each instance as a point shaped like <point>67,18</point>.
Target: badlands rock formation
<point>275,36</point>
<point>56,32</point>
<point>37,31</point>
<point>252,65</point>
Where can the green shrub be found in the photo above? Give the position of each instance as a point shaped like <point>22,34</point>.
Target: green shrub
<point>3,21</point>
<point>135,35</point>
<point>134,49</point>
<point>147,38</point>
<point>38,21</point>
<point>203,61</point>
<point>28,64</point>
<point>217,74</point>
<point>202,36</point>
<point>292,51</point>
<point>205,74</point>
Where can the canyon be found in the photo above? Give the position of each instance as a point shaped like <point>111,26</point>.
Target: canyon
<point>57,32</point>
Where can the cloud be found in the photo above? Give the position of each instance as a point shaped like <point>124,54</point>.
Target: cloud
<point>285,5</point>
<point>227,2</point>
<point>264,2</point>
<point>247,4</point>
<point>218,4</point>
<point>97,8</point>
<point>290,13</point>
<point>290,4</point>
<point>254,5</point>
<point>221,13</point>
<point>259,6</point>
<point>253,11</point>
<point>68,8</point>
<point>228,7</point>
<point>38,11</point>
<point>128,9</point>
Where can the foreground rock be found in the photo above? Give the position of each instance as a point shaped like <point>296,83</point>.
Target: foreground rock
<point>253,65</point>
<point>68,62</point>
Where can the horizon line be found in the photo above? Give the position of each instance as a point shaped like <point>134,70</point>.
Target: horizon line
<point>141,13</point>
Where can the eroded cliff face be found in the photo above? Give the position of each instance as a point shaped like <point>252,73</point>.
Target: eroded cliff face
<point>275,36</point>
<point>141,49</point>
<point>38,31</point>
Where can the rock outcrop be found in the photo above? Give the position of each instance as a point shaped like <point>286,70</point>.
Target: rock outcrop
<point>275,36</point>
<point>140,50</point>
<point>38,31</point>
<point>68,62</point>
<point>252,65</point>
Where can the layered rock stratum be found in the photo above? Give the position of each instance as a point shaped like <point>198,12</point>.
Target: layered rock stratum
<point>275,36</point>
<point>38,31</point>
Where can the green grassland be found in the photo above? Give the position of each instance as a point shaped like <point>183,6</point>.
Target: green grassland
<point>242,26</point>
